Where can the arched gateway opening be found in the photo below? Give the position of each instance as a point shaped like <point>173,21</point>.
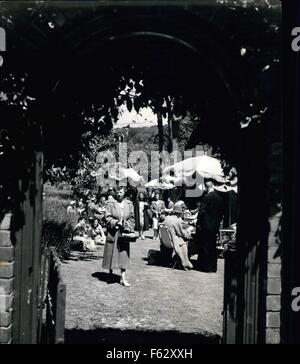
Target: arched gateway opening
<point>85,54</point>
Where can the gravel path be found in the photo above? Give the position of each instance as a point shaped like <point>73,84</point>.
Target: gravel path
<point>162,303</point>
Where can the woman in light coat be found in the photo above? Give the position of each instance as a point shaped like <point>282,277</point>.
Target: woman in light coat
<point>120,231</point>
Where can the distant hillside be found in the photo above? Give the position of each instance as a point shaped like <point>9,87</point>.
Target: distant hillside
<point>143,138</point>
<point>147,137</point>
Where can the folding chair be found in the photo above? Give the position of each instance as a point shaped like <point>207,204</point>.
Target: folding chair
<point>166,242</point>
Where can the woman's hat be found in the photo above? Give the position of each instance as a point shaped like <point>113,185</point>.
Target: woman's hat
<point>177,208</point>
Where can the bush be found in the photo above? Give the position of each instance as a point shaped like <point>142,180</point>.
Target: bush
<point>58,226</point>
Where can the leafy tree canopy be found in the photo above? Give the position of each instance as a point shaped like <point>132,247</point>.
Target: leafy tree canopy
<point>73,79</point>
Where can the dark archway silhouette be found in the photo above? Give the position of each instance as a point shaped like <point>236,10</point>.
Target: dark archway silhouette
<point>84,51</point>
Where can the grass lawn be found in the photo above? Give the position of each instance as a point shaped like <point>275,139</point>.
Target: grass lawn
<point>162,305</point>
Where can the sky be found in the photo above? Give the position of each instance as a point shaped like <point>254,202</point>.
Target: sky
<point>144,118</point>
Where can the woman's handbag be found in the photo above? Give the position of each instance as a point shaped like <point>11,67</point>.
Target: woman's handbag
<point>129,237</point>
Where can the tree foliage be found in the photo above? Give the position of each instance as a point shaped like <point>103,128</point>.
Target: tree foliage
<point>228,85</point>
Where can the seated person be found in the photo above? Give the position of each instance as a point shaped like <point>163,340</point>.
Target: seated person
<point>79,228</point>
<point>189,218</point>
<point>72,210</point>
<point>97,232</point>
<point>179,236</point>
<point>182,204</point>
<point>94,211</point>
<point>81,234</point>
<point>81,207</point>
<point>102,202</point>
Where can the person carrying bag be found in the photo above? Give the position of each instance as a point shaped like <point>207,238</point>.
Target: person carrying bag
<point>120,233</point>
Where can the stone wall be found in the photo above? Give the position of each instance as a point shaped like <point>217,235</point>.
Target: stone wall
<point>273,322</point>
<point>6,280</point>
<point>274,286</point>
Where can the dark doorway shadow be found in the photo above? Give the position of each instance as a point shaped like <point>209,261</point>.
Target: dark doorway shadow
<point>106,277</point>
<point>136,337</point>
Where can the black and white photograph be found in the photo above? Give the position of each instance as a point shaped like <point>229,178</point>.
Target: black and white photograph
<point>144,180</point>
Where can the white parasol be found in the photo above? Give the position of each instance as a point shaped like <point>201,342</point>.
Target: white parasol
<point>118,173</point>
<point>155,183</point>
<point>205,166</point>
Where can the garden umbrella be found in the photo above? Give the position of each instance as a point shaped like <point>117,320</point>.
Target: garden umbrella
<point>118,173</point>
<point>156,183</point>
<point>205,166</point>
<point>132,174</point>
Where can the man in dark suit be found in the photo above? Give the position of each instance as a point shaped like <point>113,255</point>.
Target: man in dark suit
<point>208,224</point>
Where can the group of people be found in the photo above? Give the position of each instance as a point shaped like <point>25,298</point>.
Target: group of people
<point>151,210</point>
<point>115,218</point>
<point>206,219</point>
<point>90,229</point>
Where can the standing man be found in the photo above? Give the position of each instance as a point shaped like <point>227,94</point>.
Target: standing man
<point>207,228</point>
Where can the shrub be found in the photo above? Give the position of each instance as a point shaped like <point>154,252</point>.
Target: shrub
<point>58,226</point>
